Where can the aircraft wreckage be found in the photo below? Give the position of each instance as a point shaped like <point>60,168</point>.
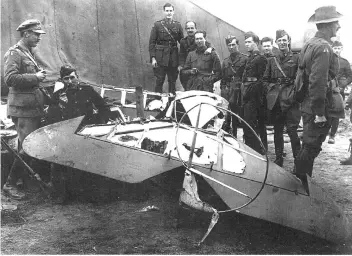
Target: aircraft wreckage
<point>190,133</point>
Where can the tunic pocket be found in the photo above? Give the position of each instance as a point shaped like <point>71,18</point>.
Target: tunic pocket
<point>291,69</point>
<point>29,66</point>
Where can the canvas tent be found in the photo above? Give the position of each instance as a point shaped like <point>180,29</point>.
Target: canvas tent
<point>107,40</point>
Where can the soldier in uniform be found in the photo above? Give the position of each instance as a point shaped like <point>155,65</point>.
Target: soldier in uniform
<point>204,69</point>
<point>26,98</point>
<point>72,98</point>
<point>344,77</point>
<point>76,98</point>
<point>163,49</point>
<point>319,64</point>
<point>252,93</point>
<point>269,49</point>
<point>267,44</point>
<point>232,71</point>
<point>279,79</point>
<point>188,44</point>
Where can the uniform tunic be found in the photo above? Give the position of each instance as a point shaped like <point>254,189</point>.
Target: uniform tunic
<point>163,47</point>
<point>187,45</point>
<point>252,99</point>
<point>75,101</point>
<point>284,111</point>
<point>344,76</point>
<point>232,70</point>
<point>320,67</point>
<point>25,99</point>
<point>209,70</point>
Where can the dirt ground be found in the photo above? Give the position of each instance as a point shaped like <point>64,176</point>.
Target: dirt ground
<point>103,216</point>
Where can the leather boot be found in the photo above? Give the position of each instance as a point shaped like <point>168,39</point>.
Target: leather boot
<point>295,144</point>
<point>279,151</point>
<point>279,160</point>
<point>301,173</point>
<point>348,161</point>
<point>9,187</point>
<point>331,139</point>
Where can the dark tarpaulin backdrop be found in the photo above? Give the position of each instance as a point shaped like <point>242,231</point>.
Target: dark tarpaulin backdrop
<point>107,40</point>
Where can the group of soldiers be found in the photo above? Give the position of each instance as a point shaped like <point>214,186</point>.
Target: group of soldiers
<point>262,87</point>
<point>255,85</point>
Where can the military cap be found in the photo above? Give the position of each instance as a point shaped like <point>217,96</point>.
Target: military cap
<point>66,70</point>
<point>33,25</point>
<point>280,33</point>
<point>230,38</point>
<point>325,14</point>
<point>336,43</point>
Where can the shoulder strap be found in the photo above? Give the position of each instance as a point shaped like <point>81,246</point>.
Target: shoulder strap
<point>231,62</point>
<point>279,67</point>
<point>44,91</point>
<point>162,24</point>
<point>30,57</point>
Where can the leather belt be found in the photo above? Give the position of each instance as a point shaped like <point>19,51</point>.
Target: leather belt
<point>167,43</point>
<point>282,80</point>
<point>250,79</point>
<point>235,78</point>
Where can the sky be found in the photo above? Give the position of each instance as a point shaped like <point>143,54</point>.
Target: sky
<point>264,17</point>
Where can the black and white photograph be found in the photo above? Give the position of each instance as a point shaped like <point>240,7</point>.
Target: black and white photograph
<point>176,127</point>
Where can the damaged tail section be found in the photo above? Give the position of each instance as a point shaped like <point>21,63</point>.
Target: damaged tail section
<point>190,197</point>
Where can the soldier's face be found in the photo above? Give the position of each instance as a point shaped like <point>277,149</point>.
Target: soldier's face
<point>199,39</point>
<point>32,38</point>
<point>233,46</point>
<point>283,42</point>
<point>337,49</point>
<point>267,47</point>
<point>335,26</point>
<point>250,44</point>
<point>169,12</point>
<point>70,79</point>
<point>191,28</point>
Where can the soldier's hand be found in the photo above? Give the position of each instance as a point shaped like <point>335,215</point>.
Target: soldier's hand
<point>41,75</point>
<point>179,68</point>
<point>154,63</point>
<point>194,71</point>
<point>320,121</point>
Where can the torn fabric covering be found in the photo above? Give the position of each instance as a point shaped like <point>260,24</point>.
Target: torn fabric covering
<point>190,99</point>
<point>106,40</point>
<point>190,197</point>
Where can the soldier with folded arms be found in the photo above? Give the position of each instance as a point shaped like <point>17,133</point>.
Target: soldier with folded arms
<point>204,68</point>
<point>187,45</point>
